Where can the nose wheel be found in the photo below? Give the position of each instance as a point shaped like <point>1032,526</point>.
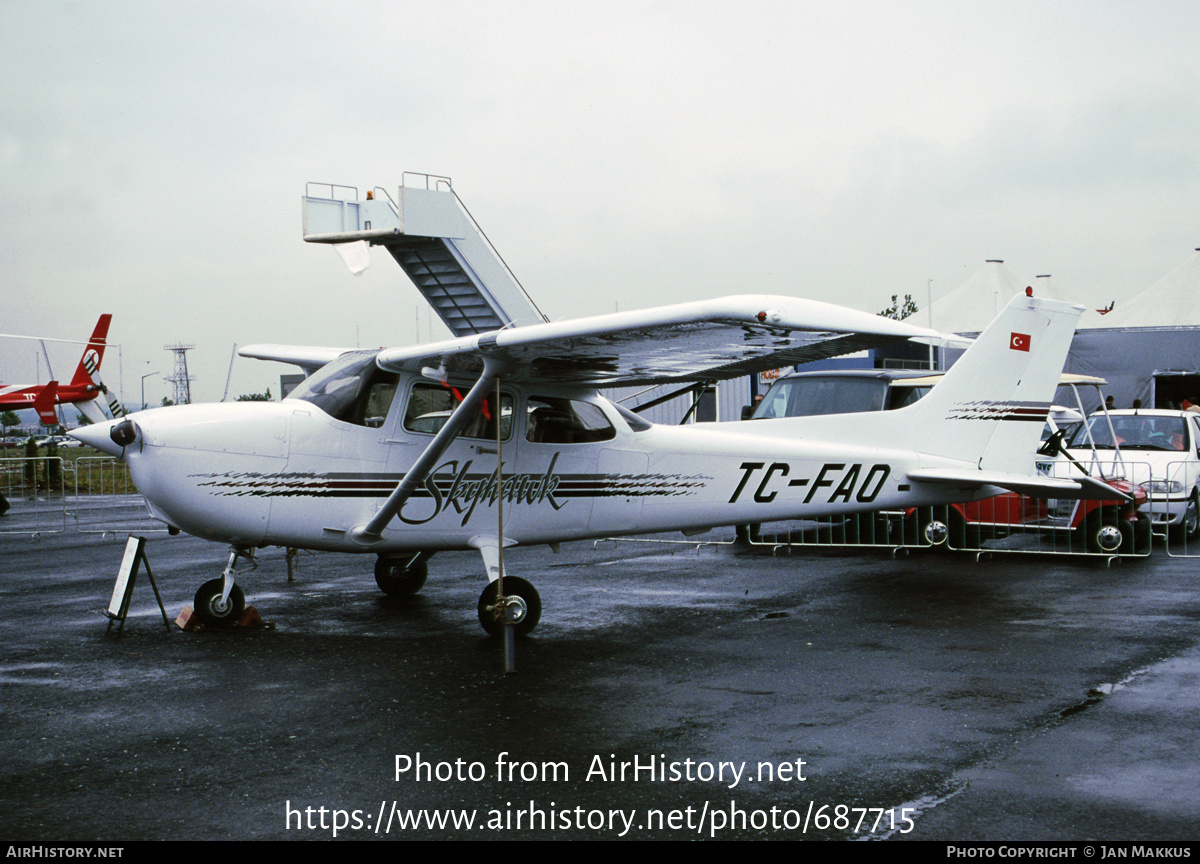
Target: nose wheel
<point>214,605</point>
<point>215,611</point>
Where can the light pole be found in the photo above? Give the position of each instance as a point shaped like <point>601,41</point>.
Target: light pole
<point>144,377</point>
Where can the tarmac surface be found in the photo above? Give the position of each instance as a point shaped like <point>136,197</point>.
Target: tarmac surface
<point>926,697</point>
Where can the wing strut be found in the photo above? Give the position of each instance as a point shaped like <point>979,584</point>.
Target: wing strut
<point>370,533</point>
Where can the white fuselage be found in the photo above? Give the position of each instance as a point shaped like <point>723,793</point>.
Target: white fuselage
<point>288,474</point>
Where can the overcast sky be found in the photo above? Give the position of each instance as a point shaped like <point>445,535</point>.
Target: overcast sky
<point>620,155</point>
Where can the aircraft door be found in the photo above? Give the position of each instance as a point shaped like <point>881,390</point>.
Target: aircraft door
<point>618,507</point>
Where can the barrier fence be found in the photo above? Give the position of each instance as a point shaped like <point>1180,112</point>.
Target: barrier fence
<point>1164,514</point>
<point>51,495</point>
<point>34,490</point>
<point>1175,508</point>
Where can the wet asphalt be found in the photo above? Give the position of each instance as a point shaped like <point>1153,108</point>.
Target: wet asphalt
<point>927,697</point>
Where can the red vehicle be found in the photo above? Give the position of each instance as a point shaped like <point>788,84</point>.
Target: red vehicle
<point>1104,527</point>
<point>1098,526</point>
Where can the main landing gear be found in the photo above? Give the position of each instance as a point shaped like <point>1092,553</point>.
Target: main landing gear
<point>405,575</point>
<point>401,576</point>
<point>522,607</point>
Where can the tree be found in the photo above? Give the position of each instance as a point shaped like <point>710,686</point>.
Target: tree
<point>9,419</point>
<point>255,397</point>
<point>899,310</point>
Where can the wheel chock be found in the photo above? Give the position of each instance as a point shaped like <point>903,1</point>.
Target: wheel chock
<point>187,619</point>
<point>190,622</point>
<point>251,619</point>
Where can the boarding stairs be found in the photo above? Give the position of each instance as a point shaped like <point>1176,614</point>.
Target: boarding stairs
<point>437,243</point>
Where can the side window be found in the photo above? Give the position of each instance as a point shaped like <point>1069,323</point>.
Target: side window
<point>378,401</point>
<point>430,406</point>
<point>566,421</point>
<point>1196,434</point>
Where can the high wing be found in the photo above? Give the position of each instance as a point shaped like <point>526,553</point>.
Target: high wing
<point>710,340</point>
<point>310,359</point>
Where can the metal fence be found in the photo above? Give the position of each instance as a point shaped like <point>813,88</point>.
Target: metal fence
<point>34,490</point>
<point>1007,523</point>
<point>1175,507</point>
<point>50,495</point>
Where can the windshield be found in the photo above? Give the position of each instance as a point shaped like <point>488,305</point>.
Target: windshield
<point>351,389</point>
<point>1133,432</point>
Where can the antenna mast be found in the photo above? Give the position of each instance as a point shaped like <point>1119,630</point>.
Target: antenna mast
<point>181,379</point>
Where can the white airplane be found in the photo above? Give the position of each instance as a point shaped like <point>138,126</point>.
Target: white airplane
<point>502,439</point>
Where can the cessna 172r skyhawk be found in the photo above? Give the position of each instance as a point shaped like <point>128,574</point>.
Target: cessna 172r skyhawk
<point>407,451</point>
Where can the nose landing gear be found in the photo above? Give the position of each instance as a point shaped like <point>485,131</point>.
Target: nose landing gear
<point>220,602</point>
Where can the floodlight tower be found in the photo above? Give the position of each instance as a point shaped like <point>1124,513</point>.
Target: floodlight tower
<point>181,379</point>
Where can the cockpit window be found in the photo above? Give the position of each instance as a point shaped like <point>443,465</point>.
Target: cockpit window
<point>566,421</point>
<point>430,406</point>
<point>351,389</point>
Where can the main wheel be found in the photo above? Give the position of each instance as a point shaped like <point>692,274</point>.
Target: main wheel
<point>928,526</point>
<point>1101,534</point>
<point>401,577</point>
<point>527,610</point>
<point>212,611</point>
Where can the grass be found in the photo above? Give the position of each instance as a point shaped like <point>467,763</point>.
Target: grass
<point>82,471</point>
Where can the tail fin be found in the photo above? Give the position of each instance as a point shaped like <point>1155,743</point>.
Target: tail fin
<point>990,408</point>
<point>87,372</point>
<point>44,404</point>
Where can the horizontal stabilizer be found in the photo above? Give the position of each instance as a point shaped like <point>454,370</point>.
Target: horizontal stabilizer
<point>1024,484</point>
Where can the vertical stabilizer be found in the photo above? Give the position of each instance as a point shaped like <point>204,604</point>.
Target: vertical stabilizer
<point>990,408</point>
<point>87,372</point>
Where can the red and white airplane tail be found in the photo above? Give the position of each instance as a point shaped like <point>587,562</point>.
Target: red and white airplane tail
<point>88,370</point>
<point>88,374</point>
